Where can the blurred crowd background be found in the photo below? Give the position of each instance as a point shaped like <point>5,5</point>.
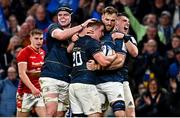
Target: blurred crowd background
<point>154,75</point>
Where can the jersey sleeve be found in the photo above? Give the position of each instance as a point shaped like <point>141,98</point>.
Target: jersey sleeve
<point>93,47</point>
<point>133,40</point>
<point>120,47</point>
<point>52,27</point>
<point>22,55</point>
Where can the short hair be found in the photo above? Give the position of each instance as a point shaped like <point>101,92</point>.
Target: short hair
<point>122,14</point>
<point>110,10</point>
<point>95,23</point>
<point>36,31</point>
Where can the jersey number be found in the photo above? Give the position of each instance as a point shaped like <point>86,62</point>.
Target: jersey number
<point>77,60</point>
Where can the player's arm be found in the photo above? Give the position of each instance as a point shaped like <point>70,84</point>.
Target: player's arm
<point>104,60</point>
<point>70,47</point>
<point>130,43</point>
<point>117,35</point>
<point>121,54</point>
<point>67,33</point>
<point>118,62</point>
<point>76,36</point>
<point>22,68</point>
<point>132,49</point>
<point>131,46</point>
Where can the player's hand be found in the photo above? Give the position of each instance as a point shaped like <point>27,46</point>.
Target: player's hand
<point>36,92</point>
<point>74,37</point>
<point>88,21</point>
<point>91,65</point>
<point>117,35</point>
<point>87,30</point>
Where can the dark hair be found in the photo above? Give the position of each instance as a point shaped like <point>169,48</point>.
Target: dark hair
<point>36,31</point>
<point>122,14</point>
<point>110,10</point>
<point>95,23</point>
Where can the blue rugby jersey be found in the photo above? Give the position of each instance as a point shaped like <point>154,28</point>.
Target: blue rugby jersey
<point>108,75</point>
<point>121,47</point>
<point>84,49</point>
<point>58,62</point>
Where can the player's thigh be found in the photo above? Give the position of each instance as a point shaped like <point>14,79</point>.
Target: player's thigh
<point>75,105</point>
<point>48,86</point>
<point>50,93</point>
<point>50,90</point>
<point>113,90</point>
<point>40,107</point>
<point>129,101</point>
<point>103,100</point>
<point>63,98</point>
<point>89,98</point>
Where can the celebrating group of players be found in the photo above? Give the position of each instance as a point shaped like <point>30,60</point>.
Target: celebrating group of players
<point>85,68</point>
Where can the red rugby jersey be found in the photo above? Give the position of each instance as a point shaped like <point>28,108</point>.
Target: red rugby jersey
<point>34,60</point>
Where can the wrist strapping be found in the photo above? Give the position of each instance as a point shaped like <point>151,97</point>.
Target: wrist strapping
<point>126,38</point>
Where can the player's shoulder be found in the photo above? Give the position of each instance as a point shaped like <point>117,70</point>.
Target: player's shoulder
<point>90,39</point>
<point>25,50</point>
<point>24,53</point>
<point>52,25</point>
<point>132,39</point>
<point>42,51</point>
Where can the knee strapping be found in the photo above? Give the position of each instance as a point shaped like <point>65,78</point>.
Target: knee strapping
<point>118,105</point>
<point>50,99</point>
